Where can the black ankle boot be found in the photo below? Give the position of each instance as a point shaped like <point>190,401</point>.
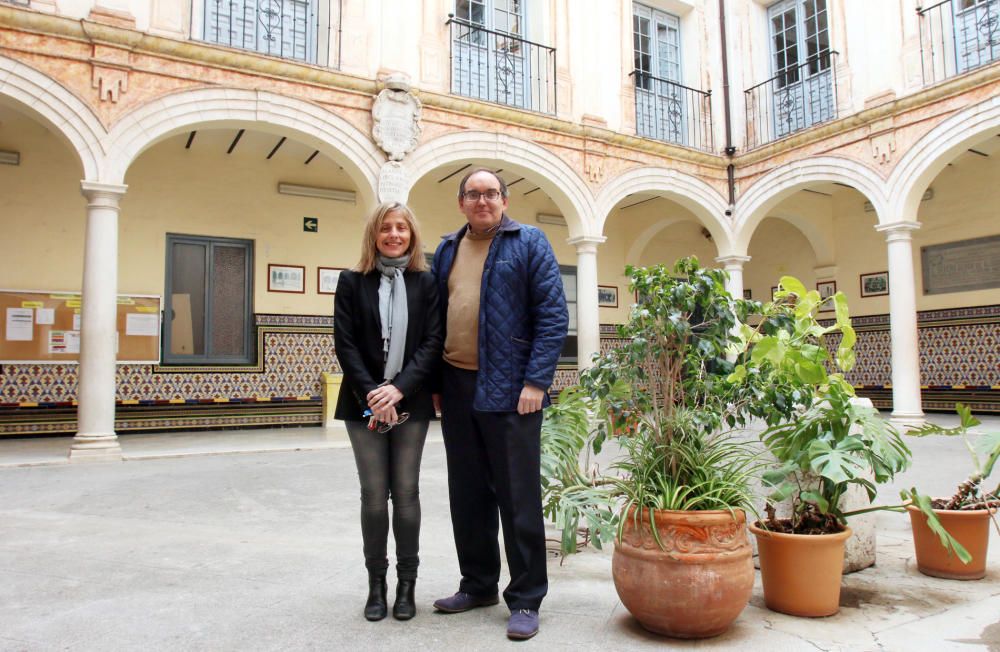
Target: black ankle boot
<point>376,607</point>
<point>405,607</point>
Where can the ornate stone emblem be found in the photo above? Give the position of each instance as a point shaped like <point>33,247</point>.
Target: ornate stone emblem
<point>396,118</point>
<point>392,183</point>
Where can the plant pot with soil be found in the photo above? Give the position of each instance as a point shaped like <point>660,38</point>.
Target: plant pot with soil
<point>826,448</point>
<point>951,535</point>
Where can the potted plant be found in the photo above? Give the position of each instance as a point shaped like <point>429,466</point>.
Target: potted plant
<point>674,501</point>
<point>951,535</point>
<point>830,444</point>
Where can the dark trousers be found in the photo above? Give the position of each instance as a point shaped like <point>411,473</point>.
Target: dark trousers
<point>389,467</point>
<point>494,466</point>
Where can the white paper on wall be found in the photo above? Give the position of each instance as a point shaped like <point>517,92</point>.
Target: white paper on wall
<point>20,324</point>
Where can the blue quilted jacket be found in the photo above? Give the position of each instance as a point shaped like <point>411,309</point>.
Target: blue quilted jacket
<point>522,313</point>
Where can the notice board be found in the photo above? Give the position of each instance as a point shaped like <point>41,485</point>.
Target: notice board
<point>44,327</point>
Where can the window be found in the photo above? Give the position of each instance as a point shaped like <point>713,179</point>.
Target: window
<point>660,102</point>
<point>569,352</point>
<point>208,301</point>
<point>493,61</point>
<point>280,28</point>
<point>800,63</point>
<point>977,32</point>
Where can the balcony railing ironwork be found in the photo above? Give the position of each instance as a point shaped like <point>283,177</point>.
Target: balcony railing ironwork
<point>957,36</point>
<point>672,112</point>
<point>502,68</point>
<point>290,29</point>
<point>795,99</point>
<point>19,3</point>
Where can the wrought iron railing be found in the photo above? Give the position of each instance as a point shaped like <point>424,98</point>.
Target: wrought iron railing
<point>672,112</point>
<point>795,99</point>
<point>290,29</point>
<point>502,68</point>
<point>19,3</point>
<point>957,36</point>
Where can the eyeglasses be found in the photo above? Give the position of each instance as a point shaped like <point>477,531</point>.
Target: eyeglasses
<point>382,427</point>
<point>472,196</point>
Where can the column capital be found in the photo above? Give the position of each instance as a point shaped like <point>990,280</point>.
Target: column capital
<point>733,262</point>
<point>587,243</point>
<point>107,194</point>
<point>898,230</point>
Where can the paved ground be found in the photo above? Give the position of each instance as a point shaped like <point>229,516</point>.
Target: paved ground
<point>181,549</point>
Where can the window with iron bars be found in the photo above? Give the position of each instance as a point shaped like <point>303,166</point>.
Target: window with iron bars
<point>281,28</point>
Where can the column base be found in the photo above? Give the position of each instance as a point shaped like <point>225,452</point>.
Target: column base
<point>907,420</point>
<point>95,448</point>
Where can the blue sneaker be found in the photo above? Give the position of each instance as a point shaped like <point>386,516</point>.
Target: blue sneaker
<point>523,624</point>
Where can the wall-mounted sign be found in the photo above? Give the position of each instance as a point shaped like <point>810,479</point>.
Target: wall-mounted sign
<point>961,266</point>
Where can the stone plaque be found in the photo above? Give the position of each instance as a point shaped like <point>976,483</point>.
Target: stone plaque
<point>961,266</point>
<point>396,122</point>
<point>393,183</point>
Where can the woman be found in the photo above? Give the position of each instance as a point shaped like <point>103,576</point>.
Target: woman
<point>387,331</point>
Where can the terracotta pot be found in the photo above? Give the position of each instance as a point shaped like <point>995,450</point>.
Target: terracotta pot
<point>697,584</point>
<point>801,572</point>
<point>970,527</point>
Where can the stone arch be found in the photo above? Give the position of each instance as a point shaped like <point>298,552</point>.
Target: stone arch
<point>782,182</point>
<point>178,112</point>
<point>48,100</point>
<point>691,193</point>
<point>932,153</point>
<point>555,176</point>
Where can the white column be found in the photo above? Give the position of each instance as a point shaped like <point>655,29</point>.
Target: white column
<point>734,267</point>
<point>906,406</point>
<point>95,438</point>
<point>588,320</point>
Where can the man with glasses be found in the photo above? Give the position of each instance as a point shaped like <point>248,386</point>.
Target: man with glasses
<point>505,313</point>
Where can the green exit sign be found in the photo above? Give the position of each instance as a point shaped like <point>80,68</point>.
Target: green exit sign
<point>310,224</point>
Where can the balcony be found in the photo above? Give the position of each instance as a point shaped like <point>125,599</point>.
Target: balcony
<point>672,112</point>
<point>17,3</point>
<point>502,68</point>
<point>797,98</point>
<point>957,36</point>
<point>289,29</point>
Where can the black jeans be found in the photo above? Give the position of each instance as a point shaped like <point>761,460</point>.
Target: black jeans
<point>389,466</point>
<point>494,461</point>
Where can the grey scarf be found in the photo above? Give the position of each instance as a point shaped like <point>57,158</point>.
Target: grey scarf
<point>392,311</point>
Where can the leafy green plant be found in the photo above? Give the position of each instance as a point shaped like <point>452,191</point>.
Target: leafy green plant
<point>831,443</point>
<point>972,493</point>
<point>665,397</point>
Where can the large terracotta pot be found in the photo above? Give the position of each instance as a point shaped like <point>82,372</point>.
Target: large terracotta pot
<point>801,572</point>
<point>970,527</point>
<point>697,584</point>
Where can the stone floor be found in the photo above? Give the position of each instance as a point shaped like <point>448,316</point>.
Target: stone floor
<point>188,546</point>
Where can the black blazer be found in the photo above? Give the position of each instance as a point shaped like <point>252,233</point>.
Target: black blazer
<point>357,335</point>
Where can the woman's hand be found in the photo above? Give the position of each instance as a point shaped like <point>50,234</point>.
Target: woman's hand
<point>387,415</point>
<point>384,397</point>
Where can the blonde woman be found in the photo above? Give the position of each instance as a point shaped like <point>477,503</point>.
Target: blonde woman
<point>388,338</point>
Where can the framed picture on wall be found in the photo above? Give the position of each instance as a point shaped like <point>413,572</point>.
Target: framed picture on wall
<point>774,291</point>
<point>875,284</point>
<point>286,278</point>
<point>607,296</point>
<point>326,279</point>
<point>747,293</point>
<point>826,289</point>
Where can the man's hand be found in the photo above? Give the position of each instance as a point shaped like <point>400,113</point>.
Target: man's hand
<point>530,400</point>
<point>436,400</point>
<point>384,397</point>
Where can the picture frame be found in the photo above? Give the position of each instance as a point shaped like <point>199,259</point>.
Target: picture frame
<point>747,293</point>
<point>774,290</point>
<point>826,289</point>
<point>607,296</point>
<point>327,278</point>
<point>286,278</point>
<point>874,284</point>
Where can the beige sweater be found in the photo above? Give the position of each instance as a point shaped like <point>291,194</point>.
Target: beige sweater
<point>461,344</point>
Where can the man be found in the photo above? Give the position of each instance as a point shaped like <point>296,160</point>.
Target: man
<point>505,322</point>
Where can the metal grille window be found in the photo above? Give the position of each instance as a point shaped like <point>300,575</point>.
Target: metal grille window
<point>491,60</point>
<point>280,28</point>
<point>977,32</point>
<point>208,301</point>
<point>20,3</point>
<point>800,42</point>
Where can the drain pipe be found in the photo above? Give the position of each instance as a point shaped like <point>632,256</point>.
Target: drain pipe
<point>730,150</point>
